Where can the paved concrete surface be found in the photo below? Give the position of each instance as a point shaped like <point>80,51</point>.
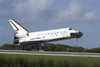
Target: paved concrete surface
<point>50,53</point>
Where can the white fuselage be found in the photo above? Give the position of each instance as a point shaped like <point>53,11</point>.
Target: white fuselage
<point>49,35</point>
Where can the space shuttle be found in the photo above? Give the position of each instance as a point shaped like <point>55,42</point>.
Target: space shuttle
<point>24,37</point>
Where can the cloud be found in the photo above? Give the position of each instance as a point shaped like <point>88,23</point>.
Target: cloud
<point>71,11</point>
<point>77,11</point>
<point>90,15</point>
<point>45,11</point>
<point>33,6</point>
<point>33,9</point>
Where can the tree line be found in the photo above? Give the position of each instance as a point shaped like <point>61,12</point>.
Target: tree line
<point>49,47</point>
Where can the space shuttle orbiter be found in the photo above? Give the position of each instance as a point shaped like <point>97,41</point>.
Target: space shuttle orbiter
<point>23,36</point>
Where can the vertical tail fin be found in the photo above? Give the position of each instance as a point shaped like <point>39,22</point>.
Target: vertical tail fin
<point>18,28</point>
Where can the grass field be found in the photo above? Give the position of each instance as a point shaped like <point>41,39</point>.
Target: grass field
<point>15,60</point>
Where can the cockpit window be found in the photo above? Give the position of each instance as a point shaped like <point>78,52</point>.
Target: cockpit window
<point>70,28</point>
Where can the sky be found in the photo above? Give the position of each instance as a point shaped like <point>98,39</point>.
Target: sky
<point>38,15</point>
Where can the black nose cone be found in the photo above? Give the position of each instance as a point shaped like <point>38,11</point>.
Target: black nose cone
<point>76,35</point>
<point>79,34</point>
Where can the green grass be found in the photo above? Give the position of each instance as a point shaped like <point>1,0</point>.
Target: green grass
<point>15,60</point>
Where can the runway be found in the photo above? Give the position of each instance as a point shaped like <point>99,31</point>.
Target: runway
<point>51,53</point>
